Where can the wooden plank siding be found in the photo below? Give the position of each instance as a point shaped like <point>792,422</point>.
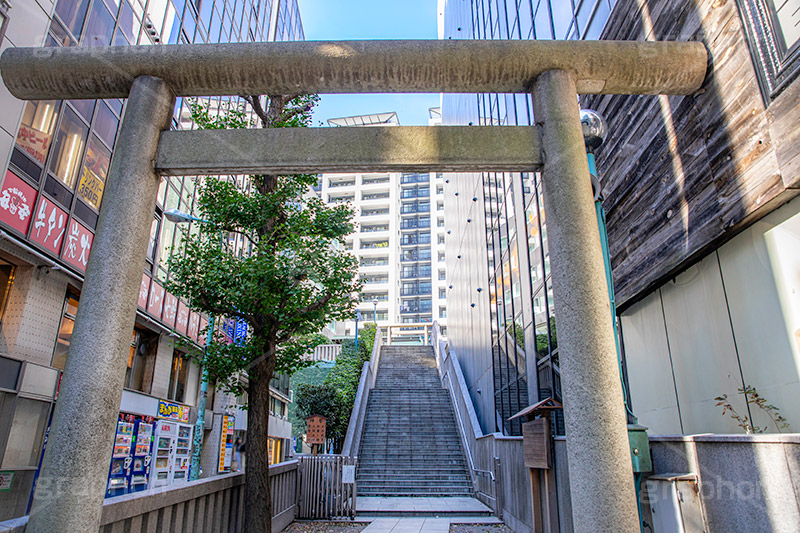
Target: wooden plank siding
<point>683,174</point>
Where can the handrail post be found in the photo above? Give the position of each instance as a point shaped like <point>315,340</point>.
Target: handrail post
<point>498,488</point>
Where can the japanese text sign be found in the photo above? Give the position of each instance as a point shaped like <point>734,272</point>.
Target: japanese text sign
<point>49,225</point>
<point>156,302</point>
<point>173,411</point>
<point>78,245</point>
<point>144,290</point>
<point>34,142</point>
<point>194,325</point>
<point>170,310</point>
<point>182,322</point>
<point>16,202</point>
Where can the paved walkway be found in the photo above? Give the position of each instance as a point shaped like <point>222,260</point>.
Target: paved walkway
<point>456,510</point>
<point>398,505</point>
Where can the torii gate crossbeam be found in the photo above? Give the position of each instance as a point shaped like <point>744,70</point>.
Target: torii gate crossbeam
<point>72,481</point>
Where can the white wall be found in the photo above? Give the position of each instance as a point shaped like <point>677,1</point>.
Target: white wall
<point>731,319</point>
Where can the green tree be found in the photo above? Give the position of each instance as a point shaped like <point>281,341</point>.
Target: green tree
<point>289,283</point>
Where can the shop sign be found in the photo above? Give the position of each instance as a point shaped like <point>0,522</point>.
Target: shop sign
<point>5,480</point>
<point>315,429</point>
<point>226,443</point>
<point>34,142</point>
<point>156,302</point>
<point>182,321</point>
<point>16,202</point>
<point>203,333</point>
<point>144,290</point>
<point>78,246</point>
<point>170,309</point>
<point>49,225</point>
<point>194,325</point>
<point>173,411</point>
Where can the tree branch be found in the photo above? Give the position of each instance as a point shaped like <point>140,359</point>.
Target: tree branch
<point>316,305</point>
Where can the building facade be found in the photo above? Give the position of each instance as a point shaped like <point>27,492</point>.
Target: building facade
<point>399,238</point>
<point>56,156</point>
<point>698,192</point>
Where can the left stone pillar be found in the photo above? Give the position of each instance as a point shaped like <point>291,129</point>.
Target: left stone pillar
<point>72,484</point>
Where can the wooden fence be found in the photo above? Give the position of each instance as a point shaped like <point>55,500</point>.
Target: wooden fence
<point>215,504</point>
<point>322,492</point>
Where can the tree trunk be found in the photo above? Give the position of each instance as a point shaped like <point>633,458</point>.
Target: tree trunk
<point>258,496</point>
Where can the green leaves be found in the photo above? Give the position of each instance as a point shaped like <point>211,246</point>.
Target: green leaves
<point>269,252</point>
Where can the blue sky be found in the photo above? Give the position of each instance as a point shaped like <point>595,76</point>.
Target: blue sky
<point>339,20</point>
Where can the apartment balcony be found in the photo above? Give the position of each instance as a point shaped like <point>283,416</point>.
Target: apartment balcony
<point>407,209</point>
<point>375,196</point>
<point>373,245</point>
<point>337,184</point>
<point>367,262</point>
<point>375,181</point>
<point>415,193</point>
<point>374,212</point>
<point>341,199</point>
<point>413,239</point>
<point>415,273</point>
<point>367,297</point>
<point>417,291</point>
<point>377,280</point>
<point>373,228</point>
<point>415,178</point>
<point>423,255</point>
<point>415,223</point>
<point>415,308</point>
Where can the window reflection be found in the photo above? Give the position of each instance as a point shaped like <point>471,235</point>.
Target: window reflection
<point>95,170</point>
<point>99,27</point>
<point>73,13</point>
<point>69,148</point>
<point>36,131</point>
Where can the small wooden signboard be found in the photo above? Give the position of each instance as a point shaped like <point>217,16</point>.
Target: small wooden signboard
<point>315,429</point>
<point>536,443</point>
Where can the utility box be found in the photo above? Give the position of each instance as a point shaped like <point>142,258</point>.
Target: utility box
<point>640,448</point>
<point>675,505</point>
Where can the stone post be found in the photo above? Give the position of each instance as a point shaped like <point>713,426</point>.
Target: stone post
<point>72,484</point>
<point>600,473</point>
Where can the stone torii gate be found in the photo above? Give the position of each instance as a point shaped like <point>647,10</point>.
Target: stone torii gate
<point>72,481</point>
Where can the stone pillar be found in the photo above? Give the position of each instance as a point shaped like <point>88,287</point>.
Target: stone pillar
<point>600,473</point>
<point>72,484</point>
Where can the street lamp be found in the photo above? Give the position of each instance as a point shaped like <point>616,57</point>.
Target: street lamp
<point>179,217</point>
<point>375,311</point>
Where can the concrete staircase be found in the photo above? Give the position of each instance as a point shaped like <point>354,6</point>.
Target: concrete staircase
<point>410,445</point>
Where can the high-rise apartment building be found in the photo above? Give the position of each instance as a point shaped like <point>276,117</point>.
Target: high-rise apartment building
<point>55,157</point>
<point>399,238</point>
<point>508,341</point>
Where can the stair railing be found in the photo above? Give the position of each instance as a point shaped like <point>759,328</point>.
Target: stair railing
<point>468,426</point>
<point>369,373</point>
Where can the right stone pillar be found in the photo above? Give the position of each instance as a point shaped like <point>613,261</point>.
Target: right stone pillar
<point>600,472</point>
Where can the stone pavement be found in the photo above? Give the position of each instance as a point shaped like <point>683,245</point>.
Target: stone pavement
<point>398,506</point>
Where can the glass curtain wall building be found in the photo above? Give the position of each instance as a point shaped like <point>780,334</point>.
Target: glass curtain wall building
<point>520,315</point>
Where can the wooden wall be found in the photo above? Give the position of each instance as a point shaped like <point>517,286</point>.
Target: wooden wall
<point>681,175</point>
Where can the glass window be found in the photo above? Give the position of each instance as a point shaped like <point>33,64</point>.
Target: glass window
<point>9,373</point>
<point>141,361</point>
<point>65,330</point>
<point>68,148</point>
<point>26,434</point>
<point>99,27</point>
<point>177,377</point>
<point>106,124</point>
<point>73,13</point>
<point>95,170</point>
<point>36,131</point>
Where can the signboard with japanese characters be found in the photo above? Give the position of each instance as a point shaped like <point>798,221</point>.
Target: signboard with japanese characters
<point>34,142</point>
<point>49,225</point>
<point>78,245</point>
<point>194,325</point>
<point>182,322</point>
<point>144,290</point>
<point>16,202</point>
<point>170,310</point>
<point>226,443</point>
<point>173,411</point>
<point>156,302</point>
<point>315,429</point>
<point>203,333</point>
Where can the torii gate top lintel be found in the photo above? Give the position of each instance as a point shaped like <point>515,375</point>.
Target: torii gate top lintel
<point>326,67</point>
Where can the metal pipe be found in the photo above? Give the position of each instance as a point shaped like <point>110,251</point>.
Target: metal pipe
<point>413,66</point>
<point>72,483</point>
<point>603,499</point>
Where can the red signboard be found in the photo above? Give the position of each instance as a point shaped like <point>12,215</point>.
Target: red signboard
<point>182,322</point>
<point>78,245</point>
<point>156,302</point>
<point>203,333</point>
<point>49,225</point>
<point>144,290</point>
<point>170,310</point>
<point>34,142</point>
<point>16,202</point>
<point>194,325</point>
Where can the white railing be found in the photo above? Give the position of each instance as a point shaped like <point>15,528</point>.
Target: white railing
<point>324,352</point>
<point>486,481</point>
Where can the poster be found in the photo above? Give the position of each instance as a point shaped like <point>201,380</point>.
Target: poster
<point>226,444</point>
<point>173,411</point>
